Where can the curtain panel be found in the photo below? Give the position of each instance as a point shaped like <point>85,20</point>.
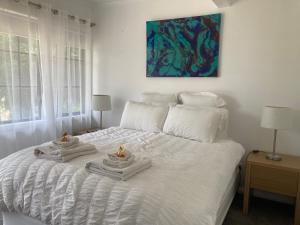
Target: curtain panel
<point>45,75</point>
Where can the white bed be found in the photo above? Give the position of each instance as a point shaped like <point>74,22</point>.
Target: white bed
<point>189,183</point>
<point>12,218</point>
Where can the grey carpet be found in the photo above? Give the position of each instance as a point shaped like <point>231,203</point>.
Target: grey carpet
<point>261,212</point>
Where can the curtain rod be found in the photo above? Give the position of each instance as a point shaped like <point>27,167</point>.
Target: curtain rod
<point>55,12</point>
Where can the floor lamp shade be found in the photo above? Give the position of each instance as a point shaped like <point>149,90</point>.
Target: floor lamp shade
<point>101,103</point>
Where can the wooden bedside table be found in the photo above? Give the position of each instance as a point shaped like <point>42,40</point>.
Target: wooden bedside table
<point>280,177</point>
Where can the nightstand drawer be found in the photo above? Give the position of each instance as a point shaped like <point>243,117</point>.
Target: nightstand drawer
<point>274,180</point>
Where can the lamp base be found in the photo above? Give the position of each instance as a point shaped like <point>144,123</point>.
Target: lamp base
<point>274,157</point>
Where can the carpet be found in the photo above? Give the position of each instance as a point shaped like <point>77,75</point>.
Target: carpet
<point>261,212</point>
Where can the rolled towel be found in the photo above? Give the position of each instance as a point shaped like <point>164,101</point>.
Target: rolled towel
<point>56,153</point>
<point>64,144</point>
<point>119,174</point>
<point>119,163</point>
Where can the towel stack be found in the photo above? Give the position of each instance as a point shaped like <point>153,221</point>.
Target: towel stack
<point>64,149</point>
<point>120,165</point>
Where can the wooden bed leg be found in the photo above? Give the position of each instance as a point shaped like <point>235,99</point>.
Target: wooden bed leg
<point>246,190</point>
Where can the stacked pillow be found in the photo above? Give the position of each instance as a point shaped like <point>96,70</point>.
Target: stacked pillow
<point>200,117</point>
<point>196,124</point>
<point>192,121</point>
<point>159,99</point>
<point>143,116</point>
<point>202,99</point>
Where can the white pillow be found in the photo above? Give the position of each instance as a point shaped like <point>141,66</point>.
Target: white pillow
<point>142,116</point>
<point>199,124</point>
<point>222,131</point>
<point>158,98</point>
<point>203,99</point>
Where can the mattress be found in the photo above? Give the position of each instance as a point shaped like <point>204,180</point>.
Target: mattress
<point>20,219</point>
<point>188,183</point>
<point>228,197</point>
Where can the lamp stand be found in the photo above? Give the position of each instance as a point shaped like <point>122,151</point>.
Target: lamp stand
<point>273,156</point>
<point>100,120</point>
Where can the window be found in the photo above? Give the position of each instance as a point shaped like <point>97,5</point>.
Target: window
<point>20,88</point>
<point>74,82</point>
<point>21,81</point>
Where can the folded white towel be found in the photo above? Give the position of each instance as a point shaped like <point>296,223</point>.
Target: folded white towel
<point>119,174</point>
<point>67,158</point>
<point>54,152</point>
<point>80,147</point>
<point>71,141</point>
<point>119,163</point>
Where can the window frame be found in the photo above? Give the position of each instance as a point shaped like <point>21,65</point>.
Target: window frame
<point>80,58</point>
<point>39,87</point>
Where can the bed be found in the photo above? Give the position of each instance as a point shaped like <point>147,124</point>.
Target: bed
<point>189,183</point>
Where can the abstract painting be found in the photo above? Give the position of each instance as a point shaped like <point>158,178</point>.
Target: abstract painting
<point>184,47</point>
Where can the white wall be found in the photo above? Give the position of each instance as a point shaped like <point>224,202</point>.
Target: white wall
<point>260,60</point>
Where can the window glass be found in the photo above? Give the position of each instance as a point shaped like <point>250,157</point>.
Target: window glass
<point>74,63</point>
<point>20,90</point>
<point>20,80</point>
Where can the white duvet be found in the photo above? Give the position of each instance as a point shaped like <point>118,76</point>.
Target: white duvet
<point>184,186</point>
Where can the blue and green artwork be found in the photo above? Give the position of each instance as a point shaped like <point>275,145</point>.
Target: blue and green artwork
<point>185,47</point>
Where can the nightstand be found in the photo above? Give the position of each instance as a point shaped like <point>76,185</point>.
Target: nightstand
<point>280,177</point>
<point>86,131</point>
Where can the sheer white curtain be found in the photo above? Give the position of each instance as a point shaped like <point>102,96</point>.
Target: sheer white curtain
<point>45,75</point>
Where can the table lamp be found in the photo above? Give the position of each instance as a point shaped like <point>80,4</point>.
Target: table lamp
<point>101,103</point>
<point>276,118</point>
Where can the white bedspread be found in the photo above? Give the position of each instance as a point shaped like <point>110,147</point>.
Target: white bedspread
<point>184,185</point>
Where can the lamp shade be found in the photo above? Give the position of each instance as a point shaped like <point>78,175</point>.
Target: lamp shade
<point>101,103</point>
<point>275,117</point>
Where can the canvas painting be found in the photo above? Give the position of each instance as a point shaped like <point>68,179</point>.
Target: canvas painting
<point>184,47</point>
